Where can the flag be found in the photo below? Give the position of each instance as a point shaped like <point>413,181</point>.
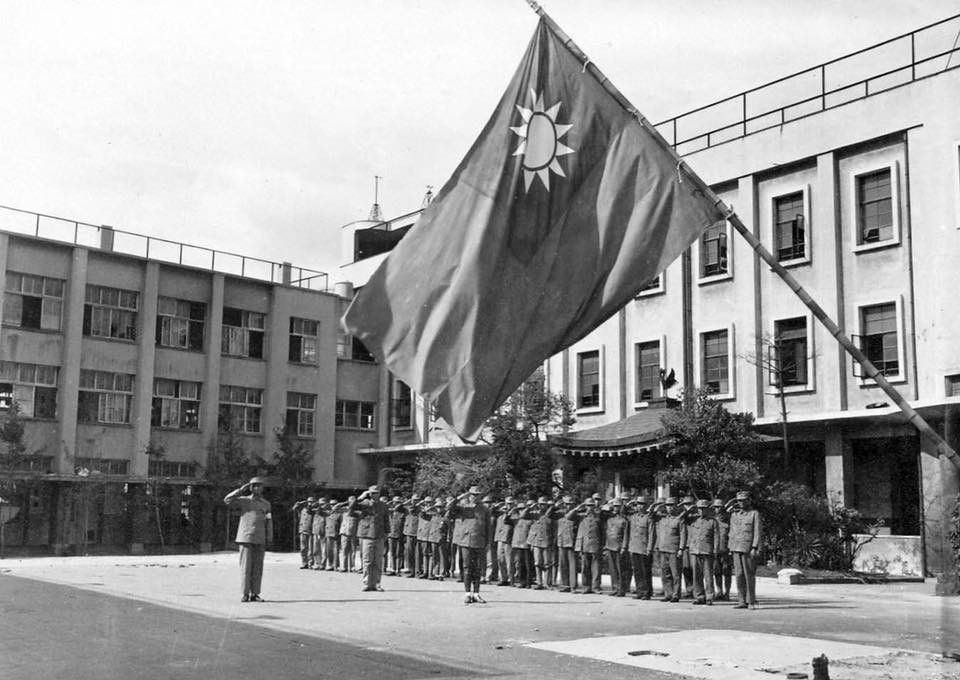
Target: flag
<point>562,209</point>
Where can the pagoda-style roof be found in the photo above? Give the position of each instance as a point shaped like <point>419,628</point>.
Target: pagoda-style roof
<point>637,434</point>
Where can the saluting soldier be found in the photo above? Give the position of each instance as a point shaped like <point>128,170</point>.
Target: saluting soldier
<point>541,539</point>
<point>410,536</point>
<point>474,519</point>
<point>331,530</point>
<point>503,536</point>
<point>590,541</point>
<point>640,544</point>
<point>701,544</point>
<point>372,526</point>
<point>304,511</point>
<point>519,548</point>
<point>744,542</point>
<point>348,537</point>
<point>722,565</point>
<point>566,540</point>
<point>670,533</point>
<point>490,553</point>
<point>317,531</point>
<point>689,512</point>
<point>424,547</point>
<point>398,515</point>
<point>254,534</point>
<point>615,545</point>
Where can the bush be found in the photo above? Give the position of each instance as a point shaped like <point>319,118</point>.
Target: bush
<point>805,530</point>
<point>955,534</point>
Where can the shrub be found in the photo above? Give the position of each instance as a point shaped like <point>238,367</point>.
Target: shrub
<point>955,534</point>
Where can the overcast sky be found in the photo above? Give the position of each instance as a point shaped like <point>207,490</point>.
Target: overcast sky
<point>257,127</point>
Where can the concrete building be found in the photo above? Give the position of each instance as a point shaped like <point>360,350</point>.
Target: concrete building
<point>850,173</point>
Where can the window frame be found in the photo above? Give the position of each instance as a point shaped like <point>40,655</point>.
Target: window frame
<point>578,377</point>
<point>108,396</point>
<point>359,408</point>
<point>245,333</point>
<point>659,289</point>
<point>396,403</point>
<point>810,384</point>
<point>240,411</point>
<point>661,343</point>
<point>189,322</point>
<point>782,192</point>
<point>902,372</point>
<point>306,416</point>
<point>94,313</point>
<point>700,348</point>
<point>43,296</point>
<point>853,212</point>
<point>180,400</point>
<point>298,337</point>
<point>16,375</point>
<point>702,278</point>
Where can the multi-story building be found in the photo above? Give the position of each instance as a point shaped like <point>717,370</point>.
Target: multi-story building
<point>849,172</point>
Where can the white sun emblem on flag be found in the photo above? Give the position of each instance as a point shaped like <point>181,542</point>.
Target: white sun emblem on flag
<point>540,143</point>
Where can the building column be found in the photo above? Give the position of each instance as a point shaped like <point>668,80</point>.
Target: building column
<point>68,396</point>
<point>941,486</point>
<point>210,396</point>
<point>827,220</point>
<point>146,360</point>
<point>277,354</point>
<point>838,460</point>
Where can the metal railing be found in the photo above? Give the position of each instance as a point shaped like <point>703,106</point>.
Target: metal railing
<point>884,66</point>
<point>110,239</point>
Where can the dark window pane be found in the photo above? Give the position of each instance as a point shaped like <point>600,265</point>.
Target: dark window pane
<point>256,345</point>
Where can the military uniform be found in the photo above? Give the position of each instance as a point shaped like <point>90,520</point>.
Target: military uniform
<point>424,548</point>
<point>304,510</point>
<point>566,540</point>
<point>589,541</point>
<point>372,526</point>
<point>410,537</point>
<point>503,537</point>
<point>520,549</point>
<point>439,541</point>
<point>317,527</point>
<point>348,539</point>
<point>744,541</point>
<point>398,516</point>
<point>641,540</point>
<point>701,544</point>
<point>542,539</point>
<point>474,518</point>
<point>615,546</point>
<point>254,532</point>
<point>722,565</point>
<point>670,533</point>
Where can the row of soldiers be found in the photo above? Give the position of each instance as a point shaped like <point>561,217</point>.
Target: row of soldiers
<point>545,543</point>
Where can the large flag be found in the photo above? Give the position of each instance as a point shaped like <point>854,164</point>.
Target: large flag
<point>562,209</point>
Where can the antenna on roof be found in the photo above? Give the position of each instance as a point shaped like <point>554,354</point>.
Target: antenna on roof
<point>427,197</point>
<point>375,210</point>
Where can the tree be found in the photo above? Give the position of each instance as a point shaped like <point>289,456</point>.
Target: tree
<point>713,451</point>
<point>291,459</point>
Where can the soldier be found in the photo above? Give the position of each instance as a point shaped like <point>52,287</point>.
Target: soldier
<point>701,545</point>
<point>304,513</point>
<point>317,539</point>
<point>519,548</point>
<point>566,540</point>
<point>640,544</point>
<point>439,540</point>
<point>348,537</point>
<point>453,565</point>
<point>424,549</point>
<point>541,539</point>
<point>589,540</point>
<point>503,536</point>
<point>615,545</point>
<point>398,516</point>
<point>722,565</point>
<point>372,526</point>
<point>670,533</point>
<point>254,534</point>
<point>410,536</point>
<point>331,530</point>
<point>744,542</point>
<point>474,518</point>
<point>689,513</point>
<point>490,553</point>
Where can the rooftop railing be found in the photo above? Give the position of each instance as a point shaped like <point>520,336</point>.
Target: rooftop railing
<point>163,250</point>
<point>887,65</point>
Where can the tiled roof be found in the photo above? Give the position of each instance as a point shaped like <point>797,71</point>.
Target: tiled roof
<point>643,427</point>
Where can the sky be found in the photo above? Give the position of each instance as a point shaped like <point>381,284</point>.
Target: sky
<point>258,127</point>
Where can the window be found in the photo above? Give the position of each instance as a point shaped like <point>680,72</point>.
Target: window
<point>300,410</point>
<point>713,251</point>
<point>654,285</point>
<point>111,313</point>
<point>303,340</point>
<point>240,409</point>
<point>158,467</point>
<point>104,397</point>
<point>343,345</point>
<point>875,207</point>
<point>32,386</point>
<point>879,339</point>
<point>32,301</point>
<point>790,227</point>
<point>180,323</point>
<point>402,403</point>
<point>103,466</point>
<point>588,386</point>
<point>953,385</point>
<point>716,362</point>
<point>356,415</point>
<point>242,333</point>
<point>360,351</point>
<point>176,404</point>
<point>648,370</point>
<point>788,355</point>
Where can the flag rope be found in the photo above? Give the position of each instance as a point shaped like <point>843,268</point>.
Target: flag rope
<point>942,447</point>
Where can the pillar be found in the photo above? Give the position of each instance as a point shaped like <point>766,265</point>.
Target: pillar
<point>839,467</point>
<point>146,354</point>
<point>941,486</point>
<point>210,397</point>
<point>68,395</point>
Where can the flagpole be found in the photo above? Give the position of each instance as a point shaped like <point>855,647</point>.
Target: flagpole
<point>943,448</point>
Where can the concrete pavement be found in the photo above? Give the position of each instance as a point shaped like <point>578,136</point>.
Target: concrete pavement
<point>426,622</point>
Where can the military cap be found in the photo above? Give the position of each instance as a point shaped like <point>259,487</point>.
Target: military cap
<point>415,497</point>
<point>718,502</point>
<point>396,499</point>
<point>688,500</point>
<point>474,490</point>
<point>743,496</point>
<point>568,499</point>
<point>590,501</point>
<point>671,500</point>
<point>595,496</point>
<point>258,480</point>
<point>508,499</point>
<point>374,489</point>
<point>703,503</point>
<point>642,499</point>
<point>487,499</point>
<point>427,499</point>
<point>543,500</point>
<point>616,502</point>
<point>351,499</point>
<point>311,499</point>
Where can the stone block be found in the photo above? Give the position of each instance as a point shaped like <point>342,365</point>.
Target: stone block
<point>789,577</point>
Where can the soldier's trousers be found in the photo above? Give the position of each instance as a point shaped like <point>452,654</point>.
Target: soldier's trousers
<point>703,577</point>
<point>722,572</point>
<point>543,562</point>
<point>590,563</point>
<point>617,562</point>
<point>410,554</point>
<point>505,561</point>
<point>490,557</point>
<point>642,573</point>
<point>251,567</point>
<point>396,554</point>
<point>686,568</point>
<point>472,561</point>
<point>440,561</point>
<point>670,574</point>
<point>333,555</point>
<point>371,552</point>
<point>316,550</point>
<point>424,553</point>
<point>348,549</point>
<point>304,548</point>
<point>568,567</point>
<point>522,565</point>
<point>745,569</point>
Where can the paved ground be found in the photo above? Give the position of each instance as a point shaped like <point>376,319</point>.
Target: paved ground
<point>180,617</point>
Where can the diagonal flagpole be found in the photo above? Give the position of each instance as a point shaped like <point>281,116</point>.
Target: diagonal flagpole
<point>943,448</point>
